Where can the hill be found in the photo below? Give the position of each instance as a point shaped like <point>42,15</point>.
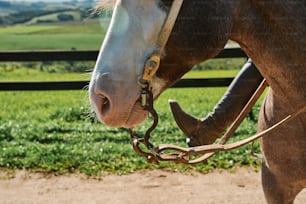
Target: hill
<point>16,12</point>
<point>61,16</point>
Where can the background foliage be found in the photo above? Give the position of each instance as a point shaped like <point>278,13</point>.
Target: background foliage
<point>56,131</point>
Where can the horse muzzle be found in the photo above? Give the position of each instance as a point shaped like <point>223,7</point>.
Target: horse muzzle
<point>116,102</point>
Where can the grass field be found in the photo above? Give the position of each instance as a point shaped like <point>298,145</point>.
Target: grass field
<point>56,131</point>
<point>86,35</point>
<point>54,17</point>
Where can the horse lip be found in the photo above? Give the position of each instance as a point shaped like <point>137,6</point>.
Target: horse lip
<point>135,108</point>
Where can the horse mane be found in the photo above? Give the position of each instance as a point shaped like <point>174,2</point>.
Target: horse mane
<point>105,4</point>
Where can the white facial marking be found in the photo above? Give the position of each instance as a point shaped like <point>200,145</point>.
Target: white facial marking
<point>120,22</point>
<point>130,39</point>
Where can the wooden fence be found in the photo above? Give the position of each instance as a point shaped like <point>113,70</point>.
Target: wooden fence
<point>91,55</point>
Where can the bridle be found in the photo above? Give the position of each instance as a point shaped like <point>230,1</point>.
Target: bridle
<point>195,154</point>
<point>151,66</point>
<point>153,62</point>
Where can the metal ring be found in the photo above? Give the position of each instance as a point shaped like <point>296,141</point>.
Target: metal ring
<point>142,83</point>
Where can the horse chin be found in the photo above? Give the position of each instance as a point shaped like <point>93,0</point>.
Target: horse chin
<point>137,116</point>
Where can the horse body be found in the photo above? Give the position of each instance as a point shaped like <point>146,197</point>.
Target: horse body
<point>272,33</point>
<point>274,40</point>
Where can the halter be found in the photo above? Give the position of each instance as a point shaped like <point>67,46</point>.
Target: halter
<point>195,154</point>
<point>151,66</point>
<point>153,62</point>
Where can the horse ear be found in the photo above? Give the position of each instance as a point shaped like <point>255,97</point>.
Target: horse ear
<point>187,123</point>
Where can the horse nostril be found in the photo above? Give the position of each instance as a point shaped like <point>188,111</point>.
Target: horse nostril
<point>105,104</point>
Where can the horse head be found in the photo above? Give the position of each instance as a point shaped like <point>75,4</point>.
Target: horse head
<point>201,30</point>
<point>271,33</point>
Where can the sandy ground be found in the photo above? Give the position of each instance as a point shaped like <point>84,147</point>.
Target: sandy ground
<point>143,187</point>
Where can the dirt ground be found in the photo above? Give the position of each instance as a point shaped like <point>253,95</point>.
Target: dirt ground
<point>142,187</point>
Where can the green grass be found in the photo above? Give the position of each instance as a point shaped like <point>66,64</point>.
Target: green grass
<point>55,132</point>
<point>211,73</point>
<point>25,30</point>
<point>51,42</point>
<point>26,74</point>
<point>87,26</point>
<point>84,35</point>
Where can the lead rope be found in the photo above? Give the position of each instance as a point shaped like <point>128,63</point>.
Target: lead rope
<point>147,103</point>
<point>247,108</point>
<point>151,67</point>
<point>183,155</point>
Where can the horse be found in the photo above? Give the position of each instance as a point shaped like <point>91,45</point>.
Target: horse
<point>271,33</point>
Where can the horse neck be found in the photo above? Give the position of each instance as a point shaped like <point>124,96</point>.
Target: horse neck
<point>259,23</point>
<point>272,34</point>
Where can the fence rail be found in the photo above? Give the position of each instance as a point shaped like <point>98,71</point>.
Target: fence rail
<point>91,55</point>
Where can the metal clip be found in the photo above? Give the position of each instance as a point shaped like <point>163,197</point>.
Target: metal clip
<point>151,67</point>
<point>144,84</point>
<point>144,98</point>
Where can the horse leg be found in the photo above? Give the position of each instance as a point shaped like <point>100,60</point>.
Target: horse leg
<point>276,191</point>
<point>283,168</point>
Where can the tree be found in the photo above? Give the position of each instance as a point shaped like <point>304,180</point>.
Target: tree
<point>65,17</point>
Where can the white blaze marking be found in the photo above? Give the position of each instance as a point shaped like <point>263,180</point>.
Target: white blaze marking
<point>120,22</point>
<point>131,37</point>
